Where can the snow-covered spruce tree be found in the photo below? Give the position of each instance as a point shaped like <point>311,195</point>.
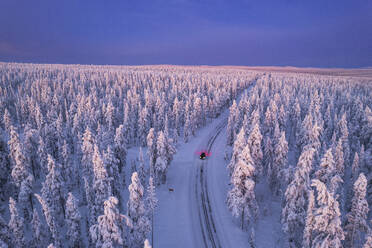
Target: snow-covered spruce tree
<point>30,148</point>
<point>254,142</point>
<point>279,172</point>
<point>327,229</point>
<point>245,123</point>
<point>343,134</point>
<point>141,167</point>
<point>110,229</point>
<point>296,115</point>
<point>169,147</point>
<point>16,224</point>
<point>277,133</point>
<point>89,194</point>
<point>120,147</point>
<point>151,203</point>
<point>69,172</point>
<point>87,150</point>
<point>187,128</point>
<point>111,163</point>
<point>53,190</point>
<point>165,152</point>
<point>241,198</point>
<point>73,220</point>
<point>127,124</point>
<point>50,217</point>
<point>25,197</point>
<point>143,126</point>
<point>309,224</point>
<point>110,116</point>
<point>230,134</point>
<point>313,141</point>
<point>40,235</point>
<point>176,113</point>
<point>151,150</point>
<point>355,168</point>
<point>268,159</point>
<point>102,182</point>
<point>231,123</point>
<point>270,118</point>
<point>327,168</point>
<point>42,157</point>
<point>357,217</point>
<point>239,144</point>
<point>253,120</point>
<point>339,158</point>
<point>282,117</point>
<point>294,211</point>
<point>137,212</point>
<point>20,167</point>
<point>7,120</point>
<point>198,112</point>
<point>302,136</point>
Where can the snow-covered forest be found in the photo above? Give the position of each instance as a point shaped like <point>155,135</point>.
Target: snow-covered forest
<point>302,143</point>
<point>86,154</point>
<point>65,133</point>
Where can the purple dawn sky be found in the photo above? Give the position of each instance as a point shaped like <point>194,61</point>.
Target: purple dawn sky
<point>318,33</point>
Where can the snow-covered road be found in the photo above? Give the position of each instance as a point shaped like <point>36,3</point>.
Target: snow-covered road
<point>181,219</point>
<point>195,213</point>
<point>206,217</point>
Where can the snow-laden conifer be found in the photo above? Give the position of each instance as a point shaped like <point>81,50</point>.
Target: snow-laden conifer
<point>73,221</point>
<point>241,198</point>
<point>137,211</point>
<point>309,224</point>
<point>102,182</point>
<point>239,145</point>
<point>327,168</point>
<point>254,142</point>
<point>151,149</point>
<point>16,224</point>
<point>50,217</point>
<point>279,166</point>
<point>151,203</point>
<point>25,196</point>
<point>110,229</point>
<point>53,190</point>
<point>120,147</point>
<point>20,169</point>
<point>141,167</point>
<point>294,210</point>
<point>40,234</point>
<point>357,217</point>
<point>327,229</point>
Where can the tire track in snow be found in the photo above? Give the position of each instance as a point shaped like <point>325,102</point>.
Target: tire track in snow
<point>207,223</point>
